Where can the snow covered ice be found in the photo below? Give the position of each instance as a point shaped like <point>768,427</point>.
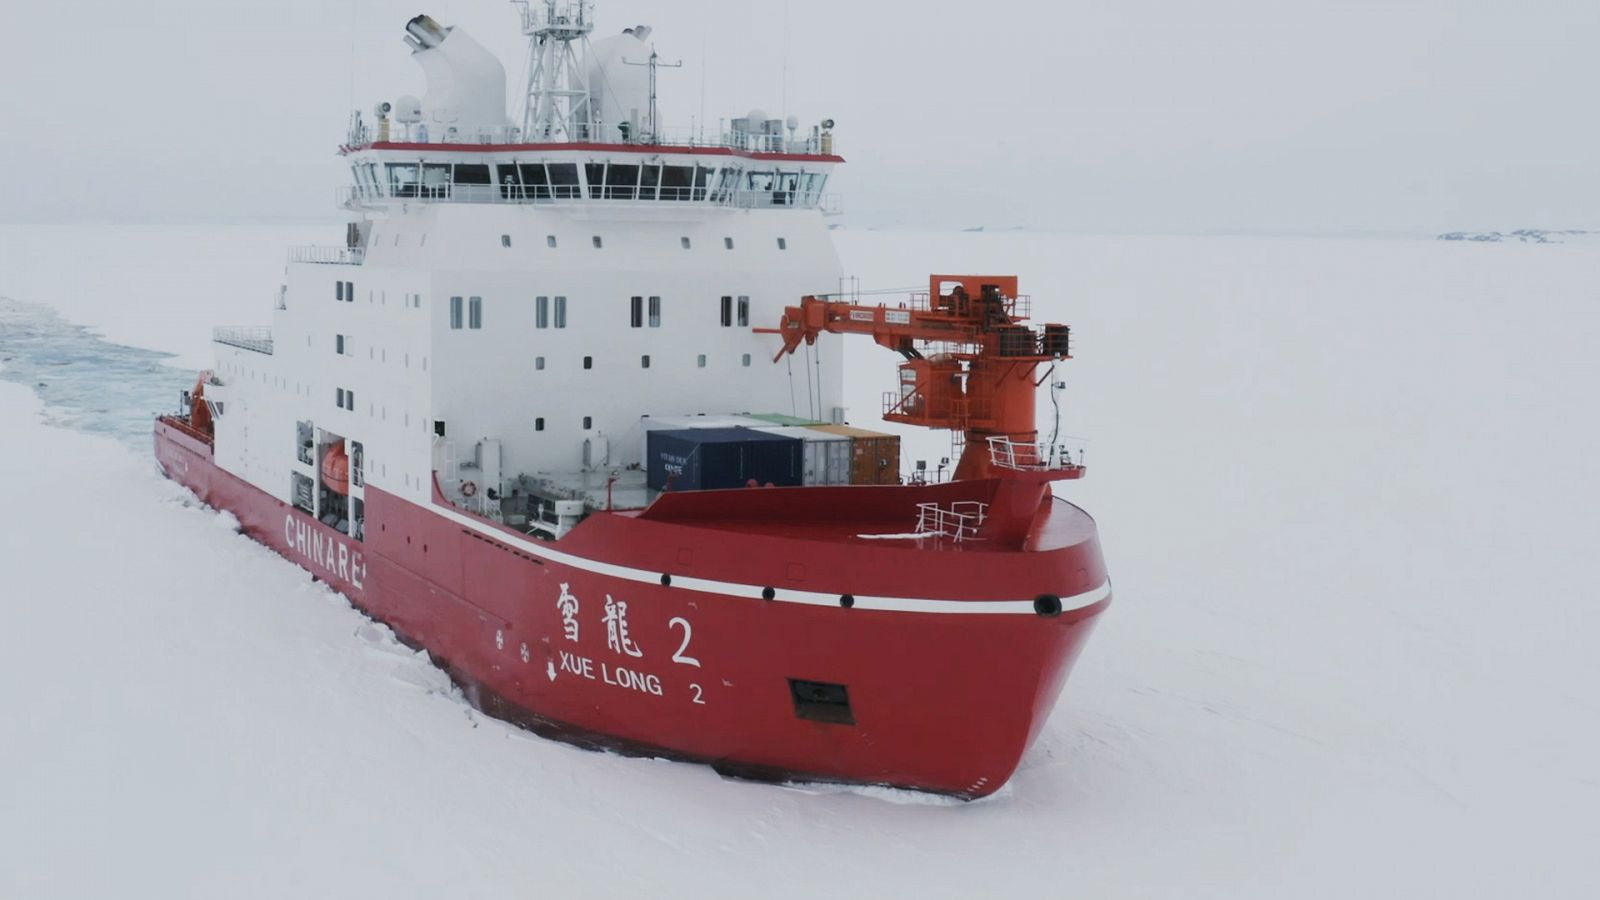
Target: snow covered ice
<point>1346,489</point>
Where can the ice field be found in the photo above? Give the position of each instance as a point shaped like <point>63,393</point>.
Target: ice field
<point>1347,492</point>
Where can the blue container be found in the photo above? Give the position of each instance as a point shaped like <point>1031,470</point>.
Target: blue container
<point>700,459</point>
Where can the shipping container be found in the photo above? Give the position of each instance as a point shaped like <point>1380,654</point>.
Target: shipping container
<point>648,424</point>
<point>825,458</point>
<point>874,455</point>
<point>696,459</point>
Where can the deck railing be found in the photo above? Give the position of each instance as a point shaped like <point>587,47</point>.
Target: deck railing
<point>338,256</point>
<point>666,138</point>
<point>255,338</point>
<point>960,520</point>
<point>354,197</point>
<point>1027,456</point>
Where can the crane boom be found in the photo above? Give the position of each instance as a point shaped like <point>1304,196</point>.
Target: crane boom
<point>969,362</point>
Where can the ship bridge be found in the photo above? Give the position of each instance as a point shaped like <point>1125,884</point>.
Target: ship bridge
<point>590,130</point>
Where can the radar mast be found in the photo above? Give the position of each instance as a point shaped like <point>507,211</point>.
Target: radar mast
<point>556,105</point>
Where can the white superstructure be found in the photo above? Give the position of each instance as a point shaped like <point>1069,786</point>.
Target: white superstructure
<point>508,306</point>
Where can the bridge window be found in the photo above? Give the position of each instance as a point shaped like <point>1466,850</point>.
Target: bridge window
<point>403,179</point>
<point>477,181</point>
<point>649,180</point>
<point>564,183</point>
<point>727,185</point>
<point>622,182</point>
<point>813,188</point>
<point>702,181</point>
<point>535,182</point>
<point>677,182</point>
<point>436,180</point>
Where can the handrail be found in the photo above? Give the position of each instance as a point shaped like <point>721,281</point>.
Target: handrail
<point>666,138</point>
<point>343,256</point>
<point>255,338</point>
<point>960,521</point>
<point>356,197</point>
<point>1027,456</point>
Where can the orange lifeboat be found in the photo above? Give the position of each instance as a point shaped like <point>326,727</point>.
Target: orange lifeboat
<point>199,412</point>
<point>336,470</point>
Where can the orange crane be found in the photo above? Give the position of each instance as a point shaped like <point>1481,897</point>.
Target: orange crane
<point>969,365</point>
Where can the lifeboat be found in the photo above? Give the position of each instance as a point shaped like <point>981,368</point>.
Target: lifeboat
<point>336,470</point>
<point>199,411</point>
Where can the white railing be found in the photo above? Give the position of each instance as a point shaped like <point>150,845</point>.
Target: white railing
<point>961,520</point>
<point>342,256</point>
<point>1027,456</point>
<point>667,138</point>
<point>353,197</point>
<point>257,338</point>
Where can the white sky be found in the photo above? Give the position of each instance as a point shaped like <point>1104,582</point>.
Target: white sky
<point>1098,115</point>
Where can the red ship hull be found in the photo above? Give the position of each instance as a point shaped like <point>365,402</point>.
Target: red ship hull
<point>729,638</point>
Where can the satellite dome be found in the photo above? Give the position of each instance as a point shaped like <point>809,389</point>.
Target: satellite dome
<point>408,110</point>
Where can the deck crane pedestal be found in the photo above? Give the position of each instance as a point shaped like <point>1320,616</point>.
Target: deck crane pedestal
<point>970,365</point>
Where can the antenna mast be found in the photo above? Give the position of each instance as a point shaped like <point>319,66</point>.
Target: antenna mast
<point>556,106</point>
<point>654,63</point>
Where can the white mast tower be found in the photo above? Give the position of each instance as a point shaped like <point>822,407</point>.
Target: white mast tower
<point>556,106</point>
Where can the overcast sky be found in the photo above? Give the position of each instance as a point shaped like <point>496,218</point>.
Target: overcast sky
<point>1100,115</point>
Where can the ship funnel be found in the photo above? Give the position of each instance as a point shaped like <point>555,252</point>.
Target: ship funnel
<point>466,97</point>
<point>428,33</point>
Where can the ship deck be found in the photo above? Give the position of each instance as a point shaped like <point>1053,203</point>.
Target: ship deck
<point>885,516</point>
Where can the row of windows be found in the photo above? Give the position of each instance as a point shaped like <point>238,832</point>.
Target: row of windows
<point>474,312</point>
<point>345,292</point>
<point>644,361</point>
<point>538,423</point>
<point>728,318</point>
<point>637,315</point>
<point>642,311</point>
<point>599,242</point>
<point>523,181</point>
<point>541,312</point>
